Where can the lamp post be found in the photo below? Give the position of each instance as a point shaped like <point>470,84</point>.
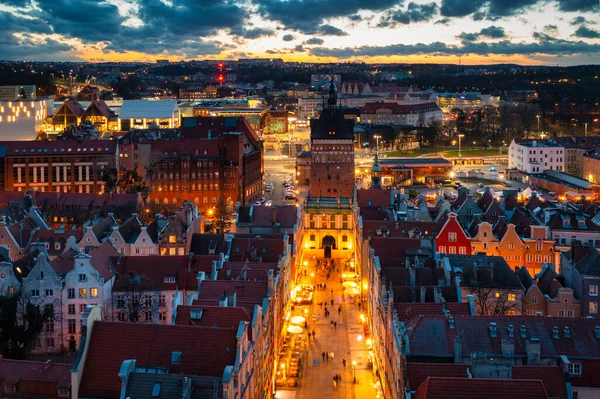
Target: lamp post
<point>377,137</point>
<point>538,120</point>
<point>585,129</point>
<point>354,371</point>
<point>459,137</point>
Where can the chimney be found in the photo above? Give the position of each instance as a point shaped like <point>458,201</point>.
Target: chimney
<point>578,251</point>
<point>457,350</point>
<point>423,293</point>
<point>523,331</point>
<point>534,351</point>
<point>186,390</point>
<point>597,331</point>
<point>511,331</point>
<point>508,348</point>
<point>451,322</point>
<point>413,277</point>
<point>199,278</point>
<point>244,274</point>
<point>493,330</point>
<point>223,300</point>
<point>555,332</point>
<point>233,299</point>
<point>567,332</point>
<point>47,364</point>
<point>213,271</point>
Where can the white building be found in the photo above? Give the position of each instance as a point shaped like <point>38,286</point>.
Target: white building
<point>66,286</point>
<point>535,156</point>
<point>400,115</point>
<point>17,92</point>
<point>140,114</point>
<point>23,119</point>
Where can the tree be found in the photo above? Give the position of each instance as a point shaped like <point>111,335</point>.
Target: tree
<point>20,324</point>
<point>129,181</point>
<point>110,177</point>
<point>134,296</point>
<point>495,302</point>
<point>220,221</point>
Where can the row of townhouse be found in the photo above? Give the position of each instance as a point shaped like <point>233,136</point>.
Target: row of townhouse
<point>407,275</point>
<point>162,236</point>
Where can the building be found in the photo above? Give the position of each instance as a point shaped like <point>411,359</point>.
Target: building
<point>323,80</point>
<point>303,167</point>
<point>89,93</point>
<point>101,116</point>
<point>141,114</point>
<point>465,101</point>
<point>116,355</point>
<point>545,295</point>
<point>23,119</point>
<point>62,165</point>
<point>210,91</point>
<point>535,156</point>
<point>35,379</point>
<point>581,268</point>
<point>216,158</point>
<point>70,113</point>
<point>400,115</point>
<point>409,171</point>
<point>564,184</point>
<point>576,147</point>
<point>12,93</point>
<point>277,122</point>
<point>452,239</point>
<point>521,96</point>
<point>356,89</point>
<point>332,150</point>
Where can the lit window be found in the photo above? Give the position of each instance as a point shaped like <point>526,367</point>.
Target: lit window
<point>82,292</point>
<point>512,297</point>
<point>94,292</point>
<point>172,239</point>
<point>593,290</point>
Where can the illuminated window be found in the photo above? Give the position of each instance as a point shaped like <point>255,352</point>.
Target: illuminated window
<point>172,239</point>
<point>94,292</point>
<point>512,297</point>
<point>82,292</point>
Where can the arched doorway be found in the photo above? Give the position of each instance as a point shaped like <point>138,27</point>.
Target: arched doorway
<point>328,243</point>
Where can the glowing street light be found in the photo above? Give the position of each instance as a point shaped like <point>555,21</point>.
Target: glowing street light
<point>354,371</point>
<point>460,136</point>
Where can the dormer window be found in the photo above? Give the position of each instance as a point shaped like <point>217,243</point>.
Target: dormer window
<point>581,222</point>
<point>566,221</point>
<point>169,279</point>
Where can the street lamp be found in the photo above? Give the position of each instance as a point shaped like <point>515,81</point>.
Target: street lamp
<point>354,371</point>
<point>538,120</point>
<point>377,137</point>
<point>460,136</point>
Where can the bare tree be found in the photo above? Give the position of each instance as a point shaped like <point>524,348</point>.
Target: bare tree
<point>134,296</point>
<point>496,302</point>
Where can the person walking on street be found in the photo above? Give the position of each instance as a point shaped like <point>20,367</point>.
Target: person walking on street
<point>344,362</point>
<point>340,310</point>
<point>314,334</point>
<point>335,381</point>
<point>335,325</point>
<point>323,356</point>
<point>332,299</point>
<point>331,355</point>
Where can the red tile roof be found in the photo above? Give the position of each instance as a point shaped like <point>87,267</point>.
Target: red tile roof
<point>248,293</point>
<point>36,379</point>
<point>552,377</point>
<point>413,309</point>
<point>372,108</point>
<point>206,351</point>
<point>417,373</point>
<point>374,197</point>
<point>432,336</point>
<point>428,229</point>
<point>269,249</point>
<point>267,216</point>
<point>156,268</point>
<point>101,106</point>
<point>253,270</point>
<point>195,148</point>
<point>478,388</point>
<point>394,248</point>
<point>59,147</point>
<point>99,258</point>
<point>213,316</point>
<point>53,236</point>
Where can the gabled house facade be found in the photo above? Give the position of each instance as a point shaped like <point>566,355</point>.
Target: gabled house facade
<point>452,239</point>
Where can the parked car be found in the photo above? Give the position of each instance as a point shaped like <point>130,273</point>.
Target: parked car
<point>269,203</point>
<point>493,169</point>
<point>480,185</point>
<point>269,187</point>
<point>257,203</point>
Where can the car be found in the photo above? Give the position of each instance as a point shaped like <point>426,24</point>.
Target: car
<point>493,169</point>
<point>269,203</point>
<point>480,185</point>
<point>262,200</point>
<point>269,187</point>
<point>257,203</point>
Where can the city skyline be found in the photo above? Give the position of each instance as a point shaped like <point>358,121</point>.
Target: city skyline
<point>551,32</point>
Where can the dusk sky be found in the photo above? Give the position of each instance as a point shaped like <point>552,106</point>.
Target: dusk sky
<point>565,32</point>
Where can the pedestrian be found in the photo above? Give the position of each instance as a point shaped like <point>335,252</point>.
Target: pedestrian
<point>324,287</point>
<point>306,325</point>
<point>331,292</point>
<point>339,376</point>
<point>335,325</point>
<point>332,302</point>
<point>323,356</point>
<point>335,381</point>
<point>344,362</point>
<point>340,310</point>
<point>331,355</point>
<point>314,334</point>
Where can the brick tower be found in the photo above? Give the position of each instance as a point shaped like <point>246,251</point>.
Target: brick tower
<point>332,147</point>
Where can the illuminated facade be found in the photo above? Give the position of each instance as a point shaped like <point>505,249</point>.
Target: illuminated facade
<point>22,119</point>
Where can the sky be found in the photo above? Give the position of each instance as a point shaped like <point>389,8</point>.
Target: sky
<point>532,32</point>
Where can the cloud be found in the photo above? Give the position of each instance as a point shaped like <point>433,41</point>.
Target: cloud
<point>299,49</point>
<point>306,15</point>
<point>256,33</point>
<point>413,13</point>
<point>460,8</point>
<point>578,5</point>
<point>314,41</point>
<point>543,45</point>
<point>587,33</point>
<point>551,29</point>
<point>491,32</point>
<point>25,46</point>
<point>329,30</point>
<point>288,38</point>
<point>443,21</point>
